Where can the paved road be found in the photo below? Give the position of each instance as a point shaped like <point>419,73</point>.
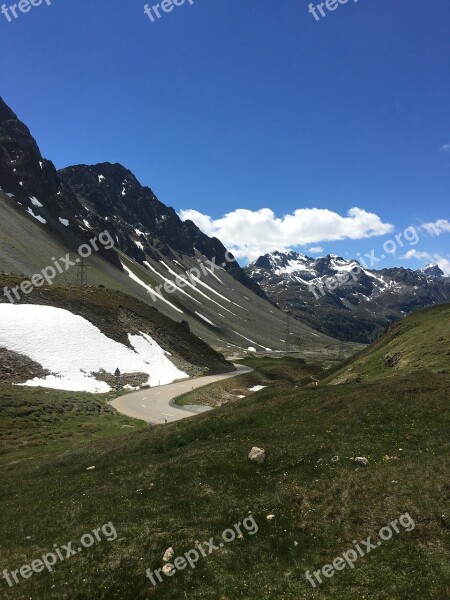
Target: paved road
<point>153,404</point>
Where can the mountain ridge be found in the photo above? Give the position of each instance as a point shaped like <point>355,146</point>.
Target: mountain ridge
<point>357,310</point>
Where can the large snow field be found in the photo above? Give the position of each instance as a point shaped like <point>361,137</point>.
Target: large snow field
<point>73,349</point>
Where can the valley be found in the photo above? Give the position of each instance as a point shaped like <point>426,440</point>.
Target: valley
<point>156,385</point>
<point>170,485</point>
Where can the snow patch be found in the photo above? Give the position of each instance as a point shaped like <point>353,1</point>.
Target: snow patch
<point>36,202</point>
<point>148,288</point>
<point>37,217</point>
<point>205,319</point>
<point>73,349</point>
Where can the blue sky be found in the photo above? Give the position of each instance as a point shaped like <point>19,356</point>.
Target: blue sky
<point>229,104</point>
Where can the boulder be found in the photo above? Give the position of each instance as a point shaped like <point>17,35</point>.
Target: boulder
<point>168,570</point>
<point>168,555</point>
<point>257,455</point>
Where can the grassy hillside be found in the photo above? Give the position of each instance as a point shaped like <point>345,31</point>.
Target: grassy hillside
<point>286,368</point>
<point>172,485</point>
<point>421,342</point>
<point>44,421</point>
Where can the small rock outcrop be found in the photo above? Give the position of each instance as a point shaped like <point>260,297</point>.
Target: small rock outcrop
<point>257,455</point>
<point>168,555</point>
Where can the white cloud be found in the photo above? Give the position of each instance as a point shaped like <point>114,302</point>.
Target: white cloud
<point>316,250</point>
<point>249,234</point>
<point>446,147</point>
<point>435,258</point>
<point>444,264</point>
<point>416,254</point>
<point>438,227</point>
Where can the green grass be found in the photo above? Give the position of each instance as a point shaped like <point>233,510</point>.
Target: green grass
<point>294,370</point>
<point>268,372</point>
<point>419,342</point>
<point>172,485</point>
<point>36,421</point>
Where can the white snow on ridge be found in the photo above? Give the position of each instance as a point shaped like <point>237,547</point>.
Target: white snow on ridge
<point>370,274</point>
<point>37,217</point>
<point>73,349</point>
<point>36,202</point>
<point>345,266</point>
<point>64,222</point>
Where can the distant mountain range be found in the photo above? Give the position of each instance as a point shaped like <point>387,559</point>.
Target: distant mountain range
<point>45,213</point>
<point>358,310</point>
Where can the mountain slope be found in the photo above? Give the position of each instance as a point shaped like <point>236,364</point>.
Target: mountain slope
<point>419,343</point>
<point>45,214</point>
<point>51,332</point>
<point>141,223</point>
<point>358,310</point>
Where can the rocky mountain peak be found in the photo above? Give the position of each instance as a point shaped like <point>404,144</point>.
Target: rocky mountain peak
<point>80,200</point>
<point>357,310</point>
<point>433,270</point>
<point>24,173</point>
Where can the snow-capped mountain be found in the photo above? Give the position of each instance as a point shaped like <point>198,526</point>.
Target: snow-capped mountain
<point>357,309</point>
<point>433,271</point>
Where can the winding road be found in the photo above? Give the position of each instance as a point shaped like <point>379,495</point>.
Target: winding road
<point>153,405</point>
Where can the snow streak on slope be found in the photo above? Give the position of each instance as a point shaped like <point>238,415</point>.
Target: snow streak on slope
<point>197,290</point>
<point>147,287</point>
<point>73,349</point>
<point>170,282</point>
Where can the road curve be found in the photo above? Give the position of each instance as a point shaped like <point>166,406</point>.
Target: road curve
<point>153,405</point>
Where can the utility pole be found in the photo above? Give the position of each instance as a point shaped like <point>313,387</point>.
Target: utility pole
<point>83,267</point>
<point>288,332</point>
